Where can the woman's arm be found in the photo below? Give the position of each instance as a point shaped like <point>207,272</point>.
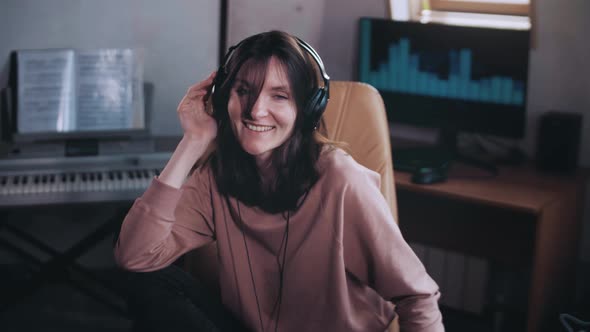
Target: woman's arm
<point>199,130</point>
<point>172,218</point>
<point>377,254</point>
<point>164,223</point>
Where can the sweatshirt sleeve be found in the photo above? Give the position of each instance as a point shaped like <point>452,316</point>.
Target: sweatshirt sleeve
<point>377,254</point>
<point>165,223</point>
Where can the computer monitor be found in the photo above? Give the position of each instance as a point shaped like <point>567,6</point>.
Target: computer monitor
<point>452,78</point>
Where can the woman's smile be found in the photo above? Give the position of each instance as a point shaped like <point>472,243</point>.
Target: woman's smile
<point>258,128</point>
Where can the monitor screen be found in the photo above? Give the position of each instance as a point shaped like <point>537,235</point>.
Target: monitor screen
<point>454,78</point>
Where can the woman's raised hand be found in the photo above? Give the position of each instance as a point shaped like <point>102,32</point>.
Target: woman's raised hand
<point>196,123</point>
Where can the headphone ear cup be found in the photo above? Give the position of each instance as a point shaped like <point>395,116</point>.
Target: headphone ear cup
<point>219,78</point>
<point>315,107</point>
<point>216,97</point>
<point>322,102</point>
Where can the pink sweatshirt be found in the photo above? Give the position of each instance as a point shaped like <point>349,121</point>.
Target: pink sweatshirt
<point>347,263</point>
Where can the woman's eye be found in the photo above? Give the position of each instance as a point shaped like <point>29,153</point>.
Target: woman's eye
<point>282,97</point>
<point>242,91</point>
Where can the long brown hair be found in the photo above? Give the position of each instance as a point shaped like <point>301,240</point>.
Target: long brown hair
<point>294,162</point>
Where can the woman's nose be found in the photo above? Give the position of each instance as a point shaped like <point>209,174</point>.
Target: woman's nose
<point>259,109</point>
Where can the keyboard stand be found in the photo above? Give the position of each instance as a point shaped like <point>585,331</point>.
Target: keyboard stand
<point>63,265</point>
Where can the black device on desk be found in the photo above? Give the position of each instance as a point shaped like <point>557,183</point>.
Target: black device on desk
<point>445,77</point>
<point>429,175</point>
<point>426,168</point>
<point>410,159</point>
<point>431,164</point>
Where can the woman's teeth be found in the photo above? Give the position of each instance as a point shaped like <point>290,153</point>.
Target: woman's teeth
<point>258,128</point>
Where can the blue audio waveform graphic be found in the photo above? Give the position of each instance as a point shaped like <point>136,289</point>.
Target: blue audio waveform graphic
<point>401,73</point>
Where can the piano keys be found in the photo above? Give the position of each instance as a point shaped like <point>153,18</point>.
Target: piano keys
<point>42,181</point>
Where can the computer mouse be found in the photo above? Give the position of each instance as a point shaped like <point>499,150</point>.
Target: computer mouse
<point>429,175</point>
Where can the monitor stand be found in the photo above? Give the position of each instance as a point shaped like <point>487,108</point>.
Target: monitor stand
<point>440,156</point>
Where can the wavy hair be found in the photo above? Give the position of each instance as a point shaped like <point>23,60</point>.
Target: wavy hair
<point>294,162</point>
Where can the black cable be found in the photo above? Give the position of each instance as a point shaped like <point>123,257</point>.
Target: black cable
<point>281,271</point>
<point>231,251</point>
<point>278,302</point>
<point>279,268</point>
<point>250,265</point>
<point>282,247</point>
<point>565,318</point>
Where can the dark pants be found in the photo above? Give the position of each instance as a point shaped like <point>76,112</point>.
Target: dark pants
<point>172,300</point>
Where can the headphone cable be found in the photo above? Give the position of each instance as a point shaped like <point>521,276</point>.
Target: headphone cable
<point>285,241</point>
<point>281,271</point>
<point>250,265</point>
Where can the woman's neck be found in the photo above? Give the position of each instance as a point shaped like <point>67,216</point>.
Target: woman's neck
<point>267,174</point>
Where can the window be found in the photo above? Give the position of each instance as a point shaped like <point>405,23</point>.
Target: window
<point>501,7</point>
<point>505,14</point>
<point>513,14</point>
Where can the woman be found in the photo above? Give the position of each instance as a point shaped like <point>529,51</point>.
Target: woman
<point>306,241</point>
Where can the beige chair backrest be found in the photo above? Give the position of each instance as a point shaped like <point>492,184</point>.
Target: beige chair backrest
<point>356,115</point>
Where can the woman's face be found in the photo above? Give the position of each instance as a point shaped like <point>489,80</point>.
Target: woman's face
<point>273,114</point>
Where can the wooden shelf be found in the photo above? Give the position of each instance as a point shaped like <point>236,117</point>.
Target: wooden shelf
<point>519,217</point>
<point>520,188</point>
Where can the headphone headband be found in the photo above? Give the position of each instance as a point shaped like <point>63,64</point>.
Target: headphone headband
<point>304,45</point>
<point>316,57</point>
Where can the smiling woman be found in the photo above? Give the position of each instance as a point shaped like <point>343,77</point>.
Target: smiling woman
<point>262,104</point>
<point>305,239</point>
<point>269,122</point>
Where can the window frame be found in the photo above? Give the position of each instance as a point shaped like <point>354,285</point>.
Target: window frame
<point>481,7</point>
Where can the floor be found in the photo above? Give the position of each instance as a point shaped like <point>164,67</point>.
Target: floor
<point>57,306</point>
<point>62,307</point>
<point>60,303</point>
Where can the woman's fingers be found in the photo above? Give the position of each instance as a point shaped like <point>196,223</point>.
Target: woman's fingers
<point>197,95</point>
<point>201,87</point>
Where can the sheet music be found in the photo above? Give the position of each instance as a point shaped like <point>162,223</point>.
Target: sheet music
<point>106,82</point>
<point>45,90</point>
<point>86,90</point>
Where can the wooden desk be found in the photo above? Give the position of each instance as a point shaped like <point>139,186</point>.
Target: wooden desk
<point>519,218</point>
